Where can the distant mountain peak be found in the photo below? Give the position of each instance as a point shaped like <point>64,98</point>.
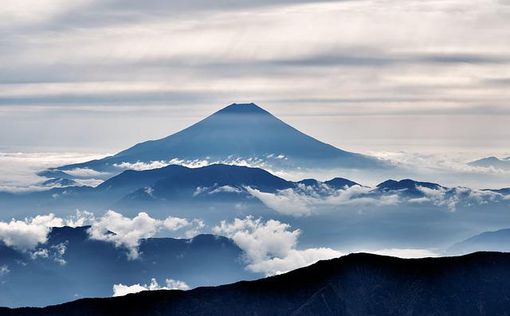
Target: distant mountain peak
<point>492,162</point>
<point>242,108</point>
<point>238,131</point>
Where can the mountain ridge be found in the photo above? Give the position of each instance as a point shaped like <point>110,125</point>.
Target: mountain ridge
<point>356,284</point>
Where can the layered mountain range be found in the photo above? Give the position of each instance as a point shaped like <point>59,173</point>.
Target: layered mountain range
<point>71,264</point>
<point>231,185</point>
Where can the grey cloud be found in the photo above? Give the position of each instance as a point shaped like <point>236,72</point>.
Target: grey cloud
<point>316,58</point>
<point>497,82</point>
<point>114,12</point>
<point>381,59</point>
<point>124,98</point>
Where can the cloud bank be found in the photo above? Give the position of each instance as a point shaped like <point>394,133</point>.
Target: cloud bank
<point>309,201</point>
<point>30,234</point>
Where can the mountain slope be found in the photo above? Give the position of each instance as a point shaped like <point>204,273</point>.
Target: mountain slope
<point>489,241</point>
<point>238,131</point>
<point>359,284</point>
<point>492,162</point>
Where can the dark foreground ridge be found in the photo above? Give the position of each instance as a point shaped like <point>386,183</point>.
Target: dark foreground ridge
<point>358,284</point>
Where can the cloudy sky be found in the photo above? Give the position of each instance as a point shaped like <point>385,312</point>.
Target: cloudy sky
<point>99,75</point>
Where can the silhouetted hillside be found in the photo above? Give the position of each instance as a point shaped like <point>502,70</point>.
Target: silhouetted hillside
<point>358,284</point>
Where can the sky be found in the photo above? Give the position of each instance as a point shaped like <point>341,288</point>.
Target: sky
<point>369,76</point>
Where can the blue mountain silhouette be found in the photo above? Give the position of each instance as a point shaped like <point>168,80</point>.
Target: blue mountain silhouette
<point>240,131</point>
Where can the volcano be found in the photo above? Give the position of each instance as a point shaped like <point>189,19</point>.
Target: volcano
<point>238,132</point>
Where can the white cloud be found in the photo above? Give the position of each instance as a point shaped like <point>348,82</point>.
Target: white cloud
<point>127,232</point>
<point>450,198</point>
<point>87,173</point>
<point>176,285</point>
<point>195,163</point>
<point>306,202</point>
<point>287,202</point>
<point>438,197</point>
<point>27,234</point>
<point>216,189</point>
<point>39,253</point>
<point>4,269</point>
<point>259,239</point>
<point>175,223</point>
<point>59,251</point>
<point>140,166</point>
<point>293,260</point>
<point>55,252</point>
<point>270,246</point>
<point>121,289</point>
<point>33,11</point>
<point>123,231</point>
<point>80,218</point>
<point>225,189</point>
<point>357,195</point>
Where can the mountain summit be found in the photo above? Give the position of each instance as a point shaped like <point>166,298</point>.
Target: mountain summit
<point>237,108</point>
<point>238,132</point>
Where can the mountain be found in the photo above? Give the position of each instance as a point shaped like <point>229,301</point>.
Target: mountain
<point>504,191</point>
<point>487,241</point>
<point>59,182</point>
<point>171,186</point>
<point>357,284</point>
<point>340,183</point>
<point>177,182</point>
<point>237,132</point>
<point>492,162</point>
<point>71,265</point>
<point>227,189</point>
<point>407,187</point>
